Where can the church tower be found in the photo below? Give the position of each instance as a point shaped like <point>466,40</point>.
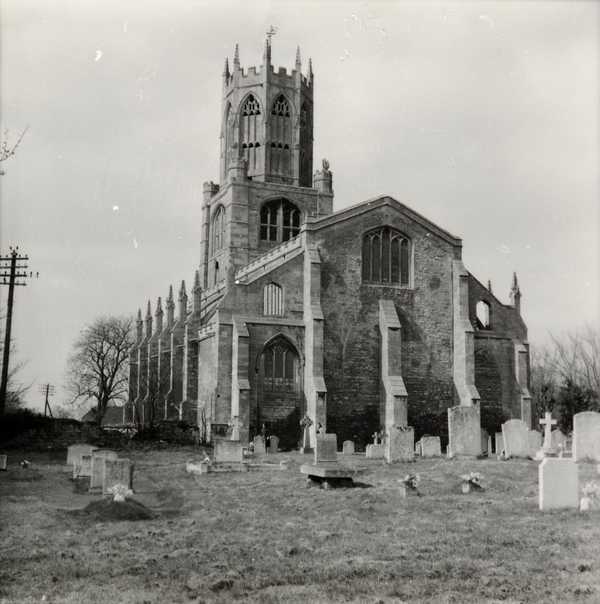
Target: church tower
<point>267,190</point>
<point>267,120</point>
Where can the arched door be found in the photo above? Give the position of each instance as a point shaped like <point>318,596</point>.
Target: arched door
<point>280,393</point>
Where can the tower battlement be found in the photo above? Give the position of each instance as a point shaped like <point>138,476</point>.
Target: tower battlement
<point>267,121</point>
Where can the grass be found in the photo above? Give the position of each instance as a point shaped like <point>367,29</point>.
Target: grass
<point>263,536</point>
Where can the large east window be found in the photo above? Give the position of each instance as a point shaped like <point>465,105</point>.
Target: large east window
<point>386,257</point>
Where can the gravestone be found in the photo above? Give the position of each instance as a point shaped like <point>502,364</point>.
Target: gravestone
<point>399,444</point>
<point>259,445</point>
<point>558,484</point>
<point>84,467</point>
<point>535,442</point>
<point>305,424</point>
<point>558,440</point>
<point>3,462</point>
<point>117,471</point>
<point>97,471</point>
<point>464,431</point>
<point>273,444</point>
<point>197,467</point>
<point>489,446</point>
<point>228,451</point>
<point>326,467</point>
<point>418,448</point>
<point>348,447</point>
<point>586,436</point>
<point>375,451</point>
<point>484,442</point>
<point>326,448</point>
<point>74,452</point>
<point>515,434</point>
<point>498,443</point>
<point>431,446</point>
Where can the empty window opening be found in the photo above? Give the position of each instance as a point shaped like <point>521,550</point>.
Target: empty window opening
<point>279,221</point>
<point>483,315</point>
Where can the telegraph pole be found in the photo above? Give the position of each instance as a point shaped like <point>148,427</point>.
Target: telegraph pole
<point>12,273</point>
<point>47,390</point>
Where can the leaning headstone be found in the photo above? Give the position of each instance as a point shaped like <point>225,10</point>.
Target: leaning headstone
<point>117,471</point>
<point>498,443</point>
<point>375,452</point>
<point>464,431</point>
<point>228,451</point>
<point>586,436</point>
<point>535,442</point>
<point>515,434</point>
<point>97,471</point>
<point>85,467</point>
<point>259,445</point>
<point>273,444</point>
<point>431,446</point>
<point>3,461</point>
<point>348,447</point>
<point>558,484</point>
<point>400,444</point>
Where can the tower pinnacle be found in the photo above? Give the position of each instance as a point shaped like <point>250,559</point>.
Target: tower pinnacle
<point>298,59</point>
<point>236,57</point>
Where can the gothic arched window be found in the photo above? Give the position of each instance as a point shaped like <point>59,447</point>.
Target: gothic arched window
<point>483,315</point>
<point>250,127</point>
<point>281,135</point>
<point>218,230</point>
<point>386,257</point>
<point>279,221</point>
<point>273,300</point>
<point>280,366</point>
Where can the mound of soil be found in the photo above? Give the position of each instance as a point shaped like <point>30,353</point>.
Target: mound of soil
<point>107,509</point>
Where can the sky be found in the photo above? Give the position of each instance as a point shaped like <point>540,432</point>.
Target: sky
<point>481,116</point>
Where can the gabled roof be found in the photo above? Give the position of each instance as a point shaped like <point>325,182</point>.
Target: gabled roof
<point>376,202</point>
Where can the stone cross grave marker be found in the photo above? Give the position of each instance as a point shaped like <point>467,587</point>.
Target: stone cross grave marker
<point>558,484</point>
<point>273,444</point>
<point>97,473</point>
<point>305,423</point>
<point>586,436</point>
<point>547,423</point>
<point>326,448</point>
<point>117,471</point>
<point>348,447</point>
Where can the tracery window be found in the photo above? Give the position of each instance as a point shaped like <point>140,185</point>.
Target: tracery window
<point>281,135</point>
<point>386,257</point>
<point>218,230</point>
<point>273,300</point>
<point>250,127</point>
<point>280,367</point>
<point>279,221</point>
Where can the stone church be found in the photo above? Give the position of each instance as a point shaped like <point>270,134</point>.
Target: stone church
<point>361,318</point>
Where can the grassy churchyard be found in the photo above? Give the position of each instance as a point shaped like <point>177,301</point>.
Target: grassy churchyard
<point>263,536</point>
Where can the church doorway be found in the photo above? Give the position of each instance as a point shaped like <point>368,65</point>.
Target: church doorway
<point>279,392</point>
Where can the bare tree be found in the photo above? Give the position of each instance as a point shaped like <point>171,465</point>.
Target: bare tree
<point>98,366</point>
<point>6,151</point>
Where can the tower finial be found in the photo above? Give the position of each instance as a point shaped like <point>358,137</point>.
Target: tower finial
<point>139,314</point>
<point>489,286</point>
<point>170,296</point>
<point>226,73</point>
<point>515,282</point>
<point>148,311</point>
<point>236,57</point>
<point>182,290</point>
<point>170,308</point>
<point>158,306</point>
<point>298,59</point>
<point>515,294</point>
<point>310,71</point>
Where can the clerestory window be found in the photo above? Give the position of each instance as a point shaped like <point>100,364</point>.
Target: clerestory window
<point>386,257</point>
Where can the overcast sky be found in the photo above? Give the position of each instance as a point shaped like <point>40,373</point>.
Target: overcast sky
<point>481,116</point>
